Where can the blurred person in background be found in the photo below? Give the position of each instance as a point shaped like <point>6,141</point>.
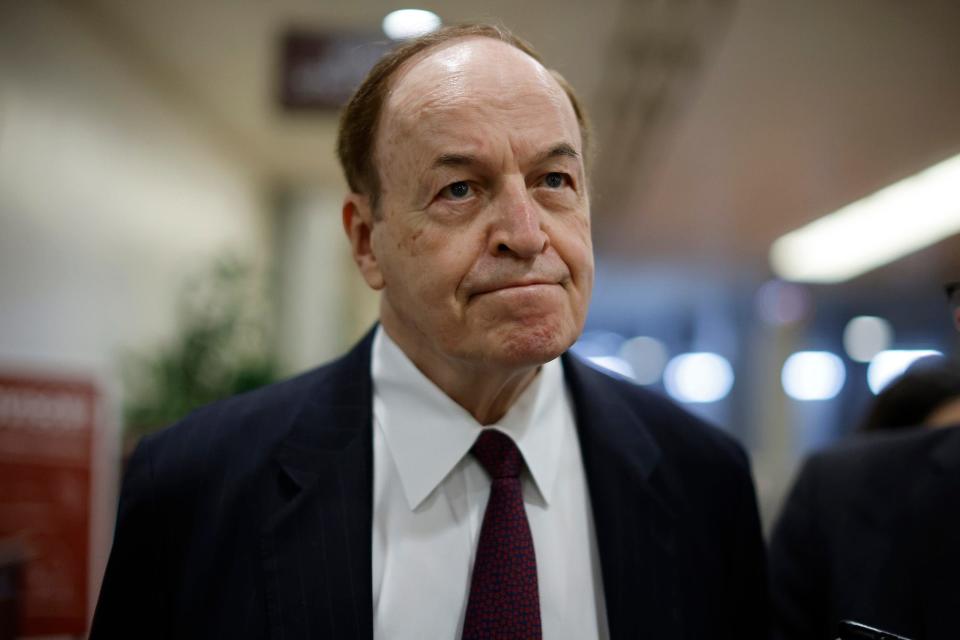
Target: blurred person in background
<point>870,531</point>
<point>927,395</point>
<point>457,474</point>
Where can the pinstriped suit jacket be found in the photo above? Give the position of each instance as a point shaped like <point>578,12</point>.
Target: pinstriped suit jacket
<point>252,517</point>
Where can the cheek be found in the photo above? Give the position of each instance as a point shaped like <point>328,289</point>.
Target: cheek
<point>575,246</point>
<point>432,262</point>
<point>410,245</point>
<point>582,224</point>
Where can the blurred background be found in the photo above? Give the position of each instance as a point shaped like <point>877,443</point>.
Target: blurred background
<point>170,223</point>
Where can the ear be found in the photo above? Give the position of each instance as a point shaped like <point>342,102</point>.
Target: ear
<point>358,224</point>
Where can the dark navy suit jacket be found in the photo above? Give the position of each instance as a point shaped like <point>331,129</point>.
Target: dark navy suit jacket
<point>871,533</point>
<point>252,517</point>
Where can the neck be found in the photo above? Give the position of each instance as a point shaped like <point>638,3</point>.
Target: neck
<point>487,397</point>
<point>487,392</point>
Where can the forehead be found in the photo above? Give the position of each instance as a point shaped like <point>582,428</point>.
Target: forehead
<point>470,89</point>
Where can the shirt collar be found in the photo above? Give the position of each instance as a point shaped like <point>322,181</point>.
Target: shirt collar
<point>427,433</point>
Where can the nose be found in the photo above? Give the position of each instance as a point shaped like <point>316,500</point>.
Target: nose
<point>517,231</point>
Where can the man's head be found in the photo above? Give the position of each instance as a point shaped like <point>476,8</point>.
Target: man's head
<point>359,121</point>
<point>469,206</point>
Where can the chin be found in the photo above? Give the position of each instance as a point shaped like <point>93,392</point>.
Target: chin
<point>533,345</point>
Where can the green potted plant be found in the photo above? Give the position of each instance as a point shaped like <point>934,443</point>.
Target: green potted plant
<point>221,348</point>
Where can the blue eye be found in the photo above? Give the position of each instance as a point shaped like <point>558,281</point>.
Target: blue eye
<point>457,190</point>
<point>554,180</point>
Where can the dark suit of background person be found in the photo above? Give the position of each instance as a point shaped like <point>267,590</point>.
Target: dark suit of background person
<point>252,517</point>
<point>871,530</point>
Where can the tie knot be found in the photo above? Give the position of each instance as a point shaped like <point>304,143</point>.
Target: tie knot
<point>498,454</point>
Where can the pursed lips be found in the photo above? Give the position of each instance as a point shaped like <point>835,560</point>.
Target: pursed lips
<point>492,288</point>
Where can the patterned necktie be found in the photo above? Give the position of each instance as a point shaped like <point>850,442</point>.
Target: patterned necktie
<point>504,602</point>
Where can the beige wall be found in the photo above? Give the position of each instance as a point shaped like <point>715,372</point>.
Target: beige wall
<point>324,305</point>
<point>110,192</point>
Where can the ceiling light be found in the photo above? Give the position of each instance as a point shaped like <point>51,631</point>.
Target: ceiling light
<point>813,375</point>
<point>780,303</point>
<point>698,377</point>
<point>614,364</point>
<point>410,23</point>
<point>597,343</point>
<point>893,222</point>
<point>865,337</point>
<point>646,356</point>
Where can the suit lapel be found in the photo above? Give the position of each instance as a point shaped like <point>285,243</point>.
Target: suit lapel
<point>317,534</point>
<point>636,532</point>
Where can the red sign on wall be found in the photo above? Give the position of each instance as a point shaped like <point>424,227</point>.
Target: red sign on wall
<point>46,448</point>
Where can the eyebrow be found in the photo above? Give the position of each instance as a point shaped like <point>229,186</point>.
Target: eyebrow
<point>455,160</point>
<point>465,160</point>
<point>562,150</point>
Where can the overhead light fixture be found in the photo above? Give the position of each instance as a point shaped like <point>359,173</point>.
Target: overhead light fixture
<point>698,377</point>
<point>893,222</point>
<point>646,356</point>
<point>614,364</point>
<point>866,336</point>
<point>597,343</point>
<point>780,303</point>
<point>410,23</point>
<point>813,375</point>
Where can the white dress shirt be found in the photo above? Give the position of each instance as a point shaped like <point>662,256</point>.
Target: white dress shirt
<point>430,496</point>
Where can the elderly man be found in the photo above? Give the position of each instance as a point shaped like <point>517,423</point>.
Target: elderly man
<point>456,474</point>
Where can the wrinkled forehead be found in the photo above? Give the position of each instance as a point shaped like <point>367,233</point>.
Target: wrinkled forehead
<point>475,77</point>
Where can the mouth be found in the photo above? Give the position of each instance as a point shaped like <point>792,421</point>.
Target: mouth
<point>511,286</point>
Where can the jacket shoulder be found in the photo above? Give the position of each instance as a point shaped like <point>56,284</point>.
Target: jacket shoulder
<point>682,437</point>
<point>243,431</point>
<point>882,464</point>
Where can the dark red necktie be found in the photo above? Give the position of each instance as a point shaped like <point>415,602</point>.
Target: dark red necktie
<point>504,602</point>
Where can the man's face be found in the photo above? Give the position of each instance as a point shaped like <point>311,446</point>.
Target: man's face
<point>482,243</point>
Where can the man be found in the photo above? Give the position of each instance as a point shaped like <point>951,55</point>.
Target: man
<point>456,474</point>
<point>870,531</point>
